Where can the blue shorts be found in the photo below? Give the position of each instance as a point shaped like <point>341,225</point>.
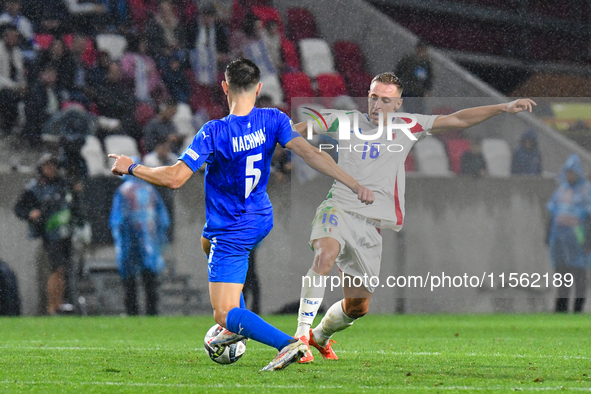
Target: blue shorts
<point>228,256</point>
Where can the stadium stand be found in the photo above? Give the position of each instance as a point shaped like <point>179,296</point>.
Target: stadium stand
<point>123,144</point>
<point>301,24</point>
<point>431,157</point>
<point>93,154</point>
<point>272,87</point>
<point>497,155</point>
<point>329,86</point>
<point>455,149</point>
<point>316,57</point>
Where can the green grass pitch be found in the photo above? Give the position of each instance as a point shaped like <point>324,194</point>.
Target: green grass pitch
<point>379,353</point>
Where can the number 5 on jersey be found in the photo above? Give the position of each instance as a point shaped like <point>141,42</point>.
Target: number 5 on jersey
<point>251,172</point>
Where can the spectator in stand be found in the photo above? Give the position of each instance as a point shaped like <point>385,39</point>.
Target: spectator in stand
<point>472,161</point>
<point>115,101</point>
<point>41,104</point>
<point>140,70</point>
<point>211,47</point>
<point>250,44</point>
<point>87,16</point>
<point>417,76</point>
<point>162,127</point>
<point>165,30</point>
<point>97,75</point>
<point>64,64</point>
<point>79,89</point>
<point>12,15</point>
<point>175,80</point>
<point>117,12</point>
<point>48,16</point>
<point>13,86</point>
<point>527,159</point>
<point>272,39</point>
<point>51,209</point>
<point>138,223</point>
<point>163,156</point>
<point>570,209</point>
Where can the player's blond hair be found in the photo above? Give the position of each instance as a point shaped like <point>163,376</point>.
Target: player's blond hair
<point>388,78</point>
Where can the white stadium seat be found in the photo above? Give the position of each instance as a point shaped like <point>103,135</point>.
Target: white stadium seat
<point>316,57</point>
<point>272,88</point>
<point>497,154</point>
<point>95,157</point>
<point>431,157</point>
<point>122,145</point>
<point>183,120</point>
<point>113,44</point>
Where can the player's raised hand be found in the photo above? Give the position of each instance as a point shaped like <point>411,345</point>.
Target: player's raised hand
<point>364,195</point>
<point>517,106</point>
<point>121,164</point>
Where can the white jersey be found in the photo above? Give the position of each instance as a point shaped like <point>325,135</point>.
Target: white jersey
<point>376,164</point>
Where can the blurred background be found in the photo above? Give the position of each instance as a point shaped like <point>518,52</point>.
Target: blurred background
<point>81,79</point>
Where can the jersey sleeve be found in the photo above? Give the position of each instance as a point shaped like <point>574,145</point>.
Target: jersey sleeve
<point>423,126</point>
<point>285,130</point>
<point>200,150</point>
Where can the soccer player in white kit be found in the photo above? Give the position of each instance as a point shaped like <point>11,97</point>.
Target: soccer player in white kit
<point>346,231</point>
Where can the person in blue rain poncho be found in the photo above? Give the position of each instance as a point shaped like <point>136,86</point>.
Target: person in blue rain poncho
<point>570,210</point>
<point>139,222</point>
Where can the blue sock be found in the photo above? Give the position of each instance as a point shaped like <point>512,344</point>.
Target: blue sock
<point>242,303</point>
<point>247,323</point>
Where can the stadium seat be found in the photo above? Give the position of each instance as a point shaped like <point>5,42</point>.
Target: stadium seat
<point>301,24</point>
<point>358,84</point>
<point>431,158</point>
<point>182,119</point>
<point>240,8</point>
<point>43,41</point>
<point>348,57</point>
<point>122,144</point>
<point>316,57</point>
<point>296,84</point>
<point>497,155</point>
<point>93,154</point>
<point>455,150</point>
<point>113,44</point>
<point>266,14</point>
<point>290,54</point>
<point>272,88</point>
<point>89,54</point>
<point>330,86</point>
<point>139,14</point>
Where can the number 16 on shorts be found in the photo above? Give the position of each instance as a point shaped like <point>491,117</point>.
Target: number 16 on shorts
<point>332,220</point>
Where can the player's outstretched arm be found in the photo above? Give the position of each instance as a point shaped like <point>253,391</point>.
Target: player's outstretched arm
<point>321,161</point>
<point>172,177</point>
<point>472,116</point>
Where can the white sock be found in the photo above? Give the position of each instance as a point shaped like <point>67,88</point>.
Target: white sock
<point>335,320</point>
<point>313,286</point>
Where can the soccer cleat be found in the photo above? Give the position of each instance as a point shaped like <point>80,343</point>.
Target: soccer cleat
<point>326,351</point>
<point>287,355</point>
<point>225,337</point>
<point>308,358</point>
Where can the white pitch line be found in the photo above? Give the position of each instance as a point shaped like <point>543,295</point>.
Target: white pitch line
<point>255,386</point>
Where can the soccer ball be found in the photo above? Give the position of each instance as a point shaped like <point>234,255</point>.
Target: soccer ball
<point>227,354</point>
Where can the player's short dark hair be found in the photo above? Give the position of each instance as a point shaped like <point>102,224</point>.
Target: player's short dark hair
<point>242,74</point>
<point>388,78</point>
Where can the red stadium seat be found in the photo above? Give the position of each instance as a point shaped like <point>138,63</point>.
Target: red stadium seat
<point>348,57</point>
<point>330,85</point>
<point>290,55</point>
<point>296,84</point>
<point>266,14</point>
<point>89,54</point>
<point>139,14</point>
<point>358,84</point>
<point>301,24</point>
<point>44,41</point>
<point>455,150</point>
<point>240,8</point>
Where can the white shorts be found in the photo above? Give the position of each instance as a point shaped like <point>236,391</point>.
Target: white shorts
<point>360,240</point>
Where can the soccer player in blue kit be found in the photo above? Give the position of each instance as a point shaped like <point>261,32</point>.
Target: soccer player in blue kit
<point>238,151</point>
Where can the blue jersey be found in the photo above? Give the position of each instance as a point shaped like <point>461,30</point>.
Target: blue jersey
<point>238,152</point>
